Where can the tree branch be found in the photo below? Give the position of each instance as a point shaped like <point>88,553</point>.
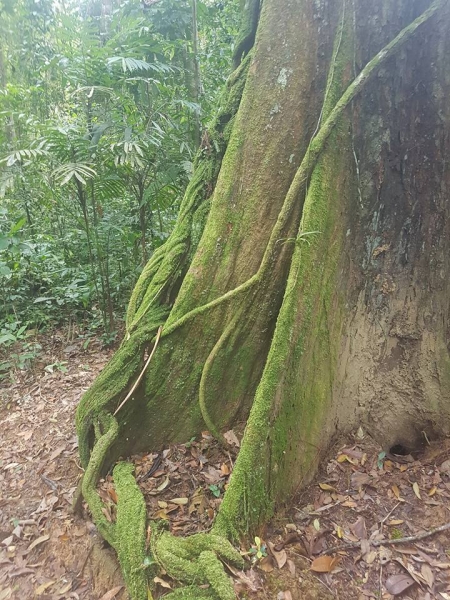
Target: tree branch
<point>393,542</point>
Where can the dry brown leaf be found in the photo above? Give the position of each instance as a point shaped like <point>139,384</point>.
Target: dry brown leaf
<point>107,513</point>
<point>416,490</point>
<point>163,485</point>
<point>279,555</point>
<point>359,528</point>
<point>395,522</point>
<point>231,438</point>
<point>66,589</point>
<point>396,491</point>
<point>112,494</point>
<point>291,567</point>
<point>56,453</point>
<point>396,584</point>
<point>6,593</point>
<point>349,504</point>
<point>225,469</point>
<point>162,583</point>
<point>346,458</point>
<point>359,479</point>
<point>162,504</point>
<point>432,491</point>
<point>249,578</point>
<point>266,564</point>
<point>385,555</point>
<point>324,564</point>
<point>112,593</point>
<point>327,487</point>
<point>370,557</point>
<point>41,589</point>
<point>179,501</point>
<point>445,466</point>
<point>427,574</point>
<point>37,541</point>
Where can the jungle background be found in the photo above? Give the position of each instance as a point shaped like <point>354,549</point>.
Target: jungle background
<point>103,107</point>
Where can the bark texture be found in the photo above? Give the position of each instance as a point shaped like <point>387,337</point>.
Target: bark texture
<point>315,297</point>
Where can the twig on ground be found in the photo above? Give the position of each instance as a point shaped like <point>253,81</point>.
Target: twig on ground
<point>80,574</point>
<point>383,521</point>
<point>394,542</point>
<point>327,586</point>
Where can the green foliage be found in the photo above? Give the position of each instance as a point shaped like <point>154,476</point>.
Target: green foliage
<point>97,144</point>
<point>258,550</point>
<point>16,352</point>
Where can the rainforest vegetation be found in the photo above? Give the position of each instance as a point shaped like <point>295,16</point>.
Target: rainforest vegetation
<point>102,107</point>
<point>267,186</point>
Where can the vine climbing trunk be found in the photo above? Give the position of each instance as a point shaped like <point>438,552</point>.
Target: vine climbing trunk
<point>305,288</point>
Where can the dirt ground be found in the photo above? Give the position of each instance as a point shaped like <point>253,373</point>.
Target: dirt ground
<point>374,524</point>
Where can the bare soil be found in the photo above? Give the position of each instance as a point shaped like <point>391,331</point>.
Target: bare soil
<point>365,495</point>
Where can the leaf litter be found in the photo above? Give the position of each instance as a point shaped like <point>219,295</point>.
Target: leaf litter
<point>346,536</point>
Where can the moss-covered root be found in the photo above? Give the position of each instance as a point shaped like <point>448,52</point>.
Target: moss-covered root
<point>112,384</point>
<point>191,592</point>
<point>213,571</point>
<point>131,530</point>
<point>195,561</point>
<point>110,429</point>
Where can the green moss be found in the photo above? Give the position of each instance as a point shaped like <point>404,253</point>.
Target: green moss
<point>194,560</point>
<point>109,426</point>
<point>111,385</point>
<point>259,474</point>
<point>191,592</point>
<point>215,575</point>
<point>296,383</point>
<point>247,30</point>
<point>131,530</point>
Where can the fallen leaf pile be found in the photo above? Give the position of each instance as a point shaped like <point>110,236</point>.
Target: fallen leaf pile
<point>343,538</point>
<point>375,524</point>
<point>183,484</point>
<point>42,545</point>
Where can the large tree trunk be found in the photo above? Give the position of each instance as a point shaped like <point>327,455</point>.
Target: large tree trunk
<point>316,296</point>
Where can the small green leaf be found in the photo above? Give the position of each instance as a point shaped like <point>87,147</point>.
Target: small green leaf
<point>215,490</point>
<point>381,458</point>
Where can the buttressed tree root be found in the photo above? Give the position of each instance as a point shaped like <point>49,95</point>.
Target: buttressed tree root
<point>196,560</point>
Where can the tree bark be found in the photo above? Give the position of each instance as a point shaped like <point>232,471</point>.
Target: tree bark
<point>317,297</point>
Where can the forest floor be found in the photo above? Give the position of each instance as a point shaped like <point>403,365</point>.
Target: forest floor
<point>372,524</point>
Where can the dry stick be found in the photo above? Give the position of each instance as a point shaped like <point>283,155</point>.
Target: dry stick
<point>141,374</point>
<point>403,540</point>
<point>383,521</point>
<point>80,574</point>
